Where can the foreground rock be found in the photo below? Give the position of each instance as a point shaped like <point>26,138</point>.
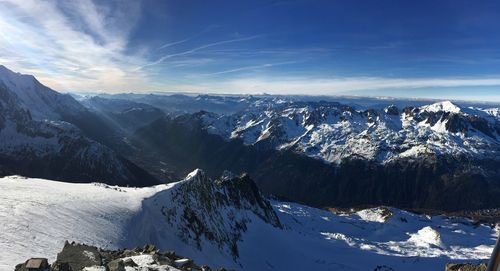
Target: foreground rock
<point>465,267</point>
<point>81,257</point>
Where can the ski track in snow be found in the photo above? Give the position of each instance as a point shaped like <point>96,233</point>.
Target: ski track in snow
<point>37,216</point>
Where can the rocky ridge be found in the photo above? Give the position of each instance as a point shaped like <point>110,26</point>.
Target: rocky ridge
<point>81,257</point>
<point>332,132</point>
<point>202,210</point>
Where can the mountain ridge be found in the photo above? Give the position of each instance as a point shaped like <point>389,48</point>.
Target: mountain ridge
<point>41,136</point>
<point>332,131</point>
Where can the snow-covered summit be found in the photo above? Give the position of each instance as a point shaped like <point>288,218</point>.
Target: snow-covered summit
<point>41,101</point>
<point>445,106</point>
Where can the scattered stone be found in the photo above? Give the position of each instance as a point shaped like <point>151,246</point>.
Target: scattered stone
<point>129,262</point>
<point>149,249</point>
<point>383,268</point>
<point>79,256</point>
<point>170,254</point>
<point>465,267</point>
<point>129,253</point>
<point>34,264</point>
<point>116,265</point>
<point>61,266</point>
<point>162,260</point>
<point>183,262</point>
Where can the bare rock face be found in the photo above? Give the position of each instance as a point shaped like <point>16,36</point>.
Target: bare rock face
<point>217,210</point>
<point>391,110</point>
<point>465,267</point>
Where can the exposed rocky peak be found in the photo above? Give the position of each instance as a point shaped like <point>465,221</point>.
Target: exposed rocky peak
<point>217,211</point>
<point>391,110</point>
<point>371,115</point>
<point>455,120</point>
<point>466,123</point>
<point>242,192</point>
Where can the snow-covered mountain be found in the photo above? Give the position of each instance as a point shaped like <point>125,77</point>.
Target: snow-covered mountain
<point>37,140</point>
<point>41,101</point>
<point>332,132</point>
<point>227,223</point>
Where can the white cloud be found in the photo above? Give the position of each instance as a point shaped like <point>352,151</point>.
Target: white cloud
<point>71,44</point>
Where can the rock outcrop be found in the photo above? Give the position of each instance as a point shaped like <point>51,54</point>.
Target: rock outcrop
<point>217,210</point>
<point>81,257</point>
<point>465,267</point>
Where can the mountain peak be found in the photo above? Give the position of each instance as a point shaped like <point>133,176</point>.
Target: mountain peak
<point>202,203</point>
<point>445,106</point>
<point>6,73</point>
<point>195,174</point>
<point>4,69</point>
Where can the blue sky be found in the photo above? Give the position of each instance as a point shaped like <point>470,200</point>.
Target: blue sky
<point>435,49</point>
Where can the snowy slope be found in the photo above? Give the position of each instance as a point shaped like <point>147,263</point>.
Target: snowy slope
<point>39,215</point>
<point>331,131</point>
<point>41,101</point>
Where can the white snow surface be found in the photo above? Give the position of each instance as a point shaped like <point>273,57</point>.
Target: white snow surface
<point>38,215</point>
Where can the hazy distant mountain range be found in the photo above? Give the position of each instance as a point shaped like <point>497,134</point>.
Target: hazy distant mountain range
<point>409,154</point>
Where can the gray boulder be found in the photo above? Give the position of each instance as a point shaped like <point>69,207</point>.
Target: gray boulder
<point>465,267</point>
<point>34,264</point>
<point>116,265</point>
<point>79,256</point>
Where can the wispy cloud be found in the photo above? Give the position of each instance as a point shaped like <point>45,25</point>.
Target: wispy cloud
<point>194,50</point>
<point>71,44</point>
<point>253,67</point>
<point>170,44</point>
